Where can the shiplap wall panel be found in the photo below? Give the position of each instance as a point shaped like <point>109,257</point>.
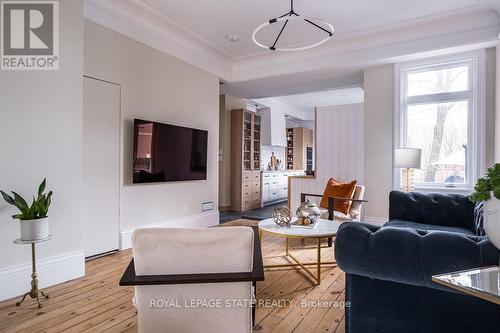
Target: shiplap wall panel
<point>339,150</point>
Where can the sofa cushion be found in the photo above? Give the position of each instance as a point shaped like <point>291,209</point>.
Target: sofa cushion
<point>406,255</point>
<point>337,216</point>
<point>452,210</point>
<point>426,227</point>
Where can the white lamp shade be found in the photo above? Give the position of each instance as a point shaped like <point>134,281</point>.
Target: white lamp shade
<point>407,158</point>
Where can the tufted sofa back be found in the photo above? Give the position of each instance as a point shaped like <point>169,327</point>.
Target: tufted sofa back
<point>409,256</point>
<point>453,210</point>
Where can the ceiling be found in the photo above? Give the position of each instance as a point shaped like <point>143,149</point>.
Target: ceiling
<point>368,33</point>
<point>309,101</point>
<point>297,83</point>
<point>213,20</point>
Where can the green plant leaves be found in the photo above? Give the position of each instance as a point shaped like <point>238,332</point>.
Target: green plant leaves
<point>21,204</point>
<point>43,204</point>
<point>8,198</point>
<point>480,196</point>
<point>41,188</point>
<point>489,183</point>
<point>39,207</point>
<point>496,192</point>
<point>32,210</point>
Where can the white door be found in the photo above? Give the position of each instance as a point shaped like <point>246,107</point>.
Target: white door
<point>101,155</point>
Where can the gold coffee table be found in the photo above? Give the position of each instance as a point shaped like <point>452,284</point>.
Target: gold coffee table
<point>321,229</point>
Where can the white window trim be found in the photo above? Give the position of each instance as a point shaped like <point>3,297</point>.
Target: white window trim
<point>477,113</point>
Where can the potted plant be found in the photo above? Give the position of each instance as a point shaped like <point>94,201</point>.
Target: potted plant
<point>34,223</point>
<point>487,190</point>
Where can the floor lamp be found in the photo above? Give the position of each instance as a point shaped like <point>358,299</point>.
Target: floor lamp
<point>407,159</point>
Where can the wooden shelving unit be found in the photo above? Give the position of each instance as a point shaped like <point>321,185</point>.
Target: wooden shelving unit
<point>256,142</point>
<point>298,141</point>
<point>245,160</point>
<point>289,148</point>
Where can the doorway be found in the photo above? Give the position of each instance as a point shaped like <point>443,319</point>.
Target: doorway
<point>100,167</point>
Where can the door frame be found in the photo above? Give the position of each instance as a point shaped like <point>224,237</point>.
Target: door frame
<point>120,142</point>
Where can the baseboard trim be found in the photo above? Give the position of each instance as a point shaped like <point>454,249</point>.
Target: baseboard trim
<point>16,280</point>
<point>204,220</point>
<point>374,220</point>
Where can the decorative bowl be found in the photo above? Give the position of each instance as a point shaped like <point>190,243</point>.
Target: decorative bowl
<point>308,210</point>
<point>282,216</point>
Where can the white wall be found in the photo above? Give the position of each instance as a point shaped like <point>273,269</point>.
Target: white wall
<point>380,96</point>
<point>40,132</point>
<point>156,87</point>
<point>379,112</point>
<point>489,149</point>
<point>266,153</point>
<point>274,122</point>
<point>283,108</point>
<point>339,150</point>
<point>497,111</point>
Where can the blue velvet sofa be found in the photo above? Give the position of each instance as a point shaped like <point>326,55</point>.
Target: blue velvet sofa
<point>389,268</point>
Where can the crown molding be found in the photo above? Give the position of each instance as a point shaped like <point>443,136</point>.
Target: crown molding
<point>446,33</point>
<point>133,19</point>
<point>179,26</point>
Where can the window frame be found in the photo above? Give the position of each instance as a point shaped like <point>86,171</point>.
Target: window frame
<point>475,159</point>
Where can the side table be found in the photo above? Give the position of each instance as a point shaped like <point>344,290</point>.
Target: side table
<point>34,292</point>
<point>481,282</point>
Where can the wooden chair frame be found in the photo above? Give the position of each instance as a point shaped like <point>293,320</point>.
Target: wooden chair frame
<point>331,205</point>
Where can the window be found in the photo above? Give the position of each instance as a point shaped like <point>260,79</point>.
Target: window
<point>440,114</point>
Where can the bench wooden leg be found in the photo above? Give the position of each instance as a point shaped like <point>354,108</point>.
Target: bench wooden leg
<point>330,242</point>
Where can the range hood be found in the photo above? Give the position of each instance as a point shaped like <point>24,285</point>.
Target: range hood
<point>273,127</point>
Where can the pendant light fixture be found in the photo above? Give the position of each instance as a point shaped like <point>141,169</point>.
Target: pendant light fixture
<point>293,16</point>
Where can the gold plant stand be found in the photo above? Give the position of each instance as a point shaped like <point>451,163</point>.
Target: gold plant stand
<point>34,293</point>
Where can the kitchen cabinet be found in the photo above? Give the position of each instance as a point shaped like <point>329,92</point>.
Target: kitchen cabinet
<point>245,160</point>
<point>299,149</point>
<point>275,185</point>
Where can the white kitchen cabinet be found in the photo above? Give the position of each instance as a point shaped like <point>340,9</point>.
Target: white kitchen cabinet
<point>275,185</point>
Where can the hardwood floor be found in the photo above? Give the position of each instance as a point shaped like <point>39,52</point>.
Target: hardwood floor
<point>287,300</point>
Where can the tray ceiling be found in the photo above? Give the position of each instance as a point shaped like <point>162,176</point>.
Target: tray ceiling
<point>213,20</point>
<point>368,33</point>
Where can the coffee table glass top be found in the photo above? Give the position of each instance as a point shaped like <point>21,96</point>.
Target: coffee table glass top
<point>322,228</point>
<point>482,282</point>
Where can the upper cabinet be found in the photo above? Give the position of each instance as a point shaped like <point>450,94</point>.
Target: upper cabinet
<point>299,150</point>
<point>245,160</point>
<point>245,140</point>
<point>273,128</point>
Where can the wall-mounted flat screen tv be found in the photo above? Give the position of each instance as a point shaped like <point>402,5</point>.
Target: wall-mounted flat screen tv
<point>168,153</point>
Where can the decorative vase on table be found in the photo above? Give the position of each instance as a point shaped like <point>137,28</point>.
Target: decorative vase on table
<point>491,220</point>
<point>33,219</point>
<point>34,229</point>
<point>309,210</point>
<point>487,191</point>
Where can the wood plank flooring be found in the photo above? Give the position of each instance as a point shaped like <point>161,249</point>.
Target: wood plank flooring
<point>287,300</point>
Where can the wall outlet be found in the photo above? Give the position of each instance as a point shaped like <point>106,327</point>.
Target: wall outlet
<point>206,206</point>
